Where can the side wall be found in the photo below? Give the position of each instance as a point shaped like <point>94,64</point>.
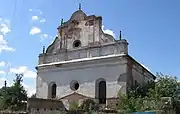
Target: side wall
<point>139,73</point>
<point>113,70</point>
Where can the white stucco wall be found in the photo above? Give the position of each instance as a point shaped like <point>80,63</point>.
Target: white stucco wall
<point>140,74</point>
<point>86,73</point>
<point>137,75</point>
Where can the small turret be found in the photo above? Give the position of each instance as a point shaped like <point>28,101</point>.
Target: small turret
<point>43,49</point>
<point>79,6</point>
<point>5,84</point>
<point>120,37</point>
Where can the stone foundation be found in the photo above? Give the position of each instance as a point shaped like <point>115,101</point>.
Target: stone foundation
<point>44,106</point>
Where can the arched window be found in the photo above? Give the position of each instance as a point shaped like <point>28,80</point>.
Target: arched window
<point>100,92</point>
<point>53,92</point>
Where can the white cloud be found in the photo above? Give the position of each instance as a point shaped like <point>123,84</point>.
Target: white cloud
<point>42,20</point>
<point>30,9</point>
<point>4,28</point>
<point>4,46</point>
<point>34,18</point>
<point>40,12</point>
<point>2,63</point>
<point>34,30</point>
<point>36,10</point>
<point>2,72</point>
<point>24,70</point>
<point>30,89</point>
<point>45,36</point>
<point>107,31</point>
<point>5,67</point>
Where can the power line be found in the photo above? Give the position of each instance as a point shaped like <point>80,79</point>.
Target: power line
<point>14,12</point>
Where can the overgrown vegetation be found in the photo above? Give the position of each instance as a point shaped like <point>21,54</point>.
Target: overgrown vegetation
<point>88,106</point>
<point>74,106</point>
<point>13,97</point>
<point>162,94</point>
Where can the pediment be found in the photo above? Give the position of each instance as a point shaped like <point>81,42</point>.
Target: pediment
<point>74,95</point>
<point>86,29</point>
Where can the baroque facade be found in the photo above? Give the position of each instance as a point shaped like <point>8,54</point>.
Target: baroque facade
<point>84,62</point>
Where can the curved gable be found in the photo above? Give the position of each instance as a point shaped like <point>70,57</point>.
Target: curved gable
<point>86,29</point>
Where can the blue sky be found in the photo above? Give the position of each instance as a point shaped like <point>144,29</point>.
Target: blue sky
<point>151,27</point>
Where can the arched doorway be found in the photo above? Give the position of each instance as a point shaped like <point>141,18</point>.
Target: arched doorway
<point>53,91</point>
<point>102,92</point>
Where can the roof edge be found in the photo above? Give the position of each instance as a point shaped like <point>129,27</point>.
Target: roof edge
<point>82,59</point>
<point>154,77</point>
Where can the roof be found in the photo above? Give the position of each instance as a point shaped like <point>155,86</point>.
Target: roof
<point>74,93</point>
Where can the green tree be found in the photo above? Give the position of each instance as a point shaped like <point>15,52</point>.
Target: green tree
<point>73,106</point>
<point>15,96</point>
<point>141,90</point>
<point>89,105</point>
<point>149,96</point>
<point>166,86</point>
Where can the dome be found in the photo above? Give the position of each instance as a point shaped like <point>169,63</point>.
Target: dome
<point>78,15</point>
